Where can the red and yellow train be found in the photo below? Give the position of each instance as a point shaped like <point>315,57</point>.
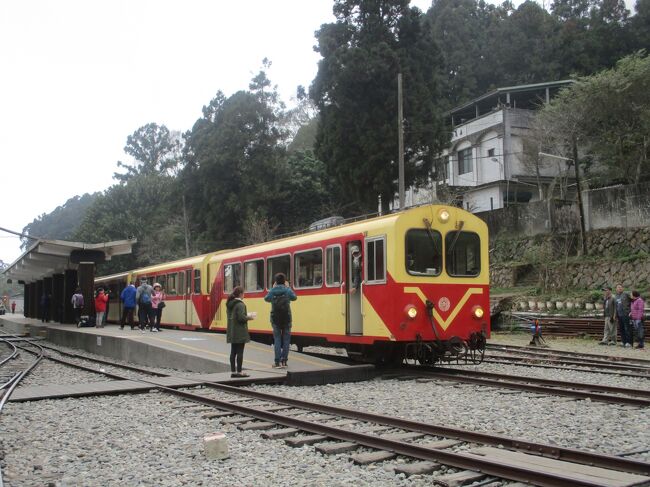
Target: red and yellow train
<point>424,292</point>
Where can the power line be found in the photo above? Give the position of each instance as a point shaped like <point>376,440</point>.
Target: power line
<point>21,235</point>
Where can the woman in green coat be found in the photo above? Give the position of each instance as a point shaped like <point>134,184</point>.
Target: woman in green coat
<point>237,331</point>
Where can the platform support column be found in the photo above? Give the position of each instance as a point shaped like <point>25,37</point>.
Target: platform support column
<point>57,298</point>
<point>36,299</point>
<point>39,297</point>
<point>70,284</point>
<point>47,289</point>
<point>26,300</point>
<point>86,276</point>
<point>31,311</point>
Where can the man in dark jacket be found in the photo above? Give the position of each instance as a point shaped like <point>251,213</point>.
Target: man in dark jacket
<point>145,310</point>
<point>609,312</point>
<point>622,301</point>
<point>128,299</point>
<point>279,297</point>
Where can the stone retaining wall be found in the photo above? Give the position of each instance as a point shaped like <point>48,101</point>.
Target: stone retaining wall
<point>633,274</point>
<point>611,242</point>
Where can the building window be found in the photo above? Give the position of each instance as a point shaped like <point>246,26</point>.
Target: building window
<point>490,152</point>
<point>465,161</point>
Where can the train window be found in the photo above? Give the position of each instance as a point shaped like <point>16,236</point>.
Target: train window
<point>423,252</point>
<point>197,281</point>
<point>188,282</point>
<point>181,283</point>
<point>171,285</point>
<point>254,275</point>
<point>275,265</point>
<point>162,281</point>
<point>463,254</point>
<point>231,277</point>
<point>375,260</point>
<point>309,268</point>
<point>333,266</point>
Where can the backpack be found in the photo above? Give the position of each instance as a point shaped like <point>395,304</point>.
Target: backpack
<point>281,311</point>
<point>145,298</point>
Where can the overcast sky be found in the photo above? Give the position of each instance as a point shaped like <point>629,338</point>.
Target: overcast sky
<point>77,77</point>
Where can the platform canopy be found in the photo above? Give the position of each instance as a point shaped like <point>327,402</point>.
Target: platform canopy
<point>47,257</point>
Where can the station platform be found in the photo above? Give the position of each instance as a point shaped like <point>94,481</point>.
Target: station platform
<point>185,351</point>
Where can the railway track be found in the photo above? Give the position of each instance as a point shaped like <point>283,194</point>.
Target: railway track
<point>336,430</point>
<point>578,390</point>
<point>561,326</point>
<point>634,367</point>
<point>14,367</point>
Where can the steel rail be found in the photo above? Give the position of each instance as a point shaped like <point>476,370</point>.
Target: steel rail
<point>503,384</point>
<point>556,383</point>
<point>523,363</point>
<point>549,451</point>
<point>458,460</point>
<point>605,358</point>
<point>12,355</point>
<point>20,377</point>
<point>105,362</point>
<point>538,358</point>
<point>14,383</point>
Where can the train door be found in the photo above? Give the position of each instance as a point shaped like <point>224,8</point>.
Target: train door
<point>354,278</point>
<point>188,305</point>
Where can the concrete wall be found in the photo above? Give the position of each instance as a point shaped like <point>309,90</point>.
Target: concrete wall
<point>479,199</point>
<point>618,206</point>
<point>119,348</point>
<point>531,219</point>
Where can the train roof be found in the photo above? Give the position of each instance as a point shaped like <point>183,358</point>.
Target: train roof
<point>360,225</point>
<point>119,275</point>
<point>354,227</point>
<point>188,261</point>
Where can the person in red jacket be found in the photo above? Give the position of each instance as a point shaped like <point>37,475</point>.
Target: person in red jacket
<point>100,307</point>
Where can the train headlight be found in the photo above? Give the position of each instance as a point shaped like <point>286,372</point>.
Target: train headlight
<point>443,216</point>
<point>477,312</point>
<point>411,311</point>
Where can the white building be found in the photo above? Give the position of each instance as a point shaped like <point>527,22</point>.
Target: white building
<point>485,163</point>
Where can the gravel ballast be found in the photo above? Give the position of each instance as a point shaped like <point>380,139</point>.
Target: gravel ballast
<point>155,439</point>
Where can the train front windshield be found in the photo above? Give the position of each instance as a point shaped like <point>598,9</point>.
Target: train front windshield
<point>423,252</point>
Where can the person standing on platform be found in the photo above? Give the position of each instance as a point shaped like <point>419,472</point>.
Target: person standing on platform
<point>279,296</point>
<point>237,330</point>
<point>45,308</point>
<point>609,313</point>
<point>100,307</point>
<point>143,298</point>
<point>637,310</point>
<point>13,307</point>
<point>622,300</point>
<point>77,304</point>
<point>128,302</point>
<point>157,304</point>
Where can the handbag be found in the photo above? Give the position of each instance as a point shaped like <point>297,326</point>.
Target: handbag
<point>161,305</point>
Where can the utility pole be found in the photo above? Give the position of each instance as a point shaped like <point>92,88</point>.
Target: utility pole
<point>400,132</point>
<point>576,166</point>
